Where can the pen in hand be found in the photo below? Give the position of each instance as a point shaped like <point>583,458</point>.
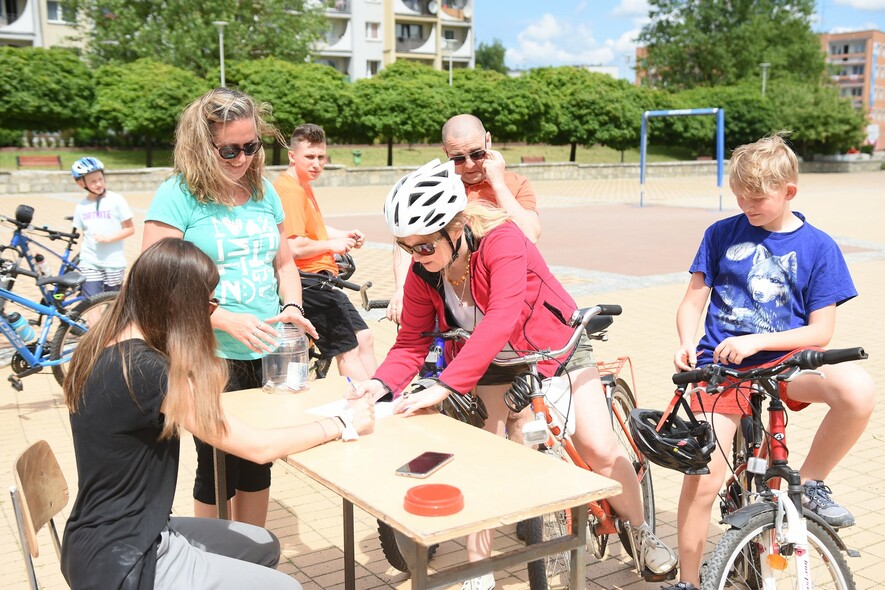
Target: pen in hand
<point>354,394</point>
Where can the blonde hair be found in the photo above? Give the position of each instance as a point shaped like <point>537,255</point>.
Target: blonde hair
<point>195,157</point>
<point>481,216</point>
<point>166,296</point>
<point>764,166</point>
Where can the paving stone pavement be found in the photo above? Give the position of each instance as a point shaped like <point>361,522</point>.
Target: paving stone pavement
<point>605,249</point>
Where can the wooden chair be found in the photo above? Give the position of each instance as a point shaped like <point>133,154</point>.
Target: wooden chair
<point>39,494</point>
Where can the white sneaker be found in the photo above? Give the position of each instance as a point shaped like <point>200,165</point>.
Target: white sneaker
<point>653,554</point>
<point>486,582</point>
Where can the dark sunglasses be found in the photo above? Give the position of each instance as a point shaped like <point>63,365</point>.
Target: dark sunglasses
<point>476,156</point>
<point>213,305</point>
<point>229,152</point>
<point>422,249</point>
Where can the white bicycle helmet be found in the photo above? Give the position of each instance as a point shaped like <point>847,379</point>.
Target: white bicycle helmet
<point>84,166</point>
<point>424,201</point>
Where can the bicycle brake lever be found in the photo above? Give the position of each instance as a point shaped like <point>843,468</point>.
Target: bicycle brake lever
<point>793,374</point>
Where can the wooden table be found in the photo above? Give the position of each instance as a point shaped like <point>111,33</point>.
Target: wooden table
<point>502,482</point>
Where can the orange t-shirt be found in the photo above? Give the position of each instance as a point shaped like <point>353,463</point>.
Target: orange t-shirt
<point>518,185</point>
<point>303,218</point>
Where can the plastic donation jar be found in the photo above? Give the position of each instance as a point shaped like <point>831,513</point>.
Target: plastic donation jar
<point>285,368</point>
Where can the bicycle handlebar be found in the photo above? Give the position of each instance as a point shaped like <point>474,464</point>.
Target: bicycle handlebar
<point>804,360</point>
<point>363,290</point>
<point>52,234</point>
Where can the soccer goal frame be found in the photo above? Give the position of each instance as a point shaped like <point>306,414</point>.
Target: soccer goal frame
<point>720,143</point>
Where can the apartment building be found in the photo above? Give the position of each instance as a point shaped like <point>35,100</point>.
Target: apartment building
<point>34,23</point>
<point>366,35</point>
<point>857,63</point>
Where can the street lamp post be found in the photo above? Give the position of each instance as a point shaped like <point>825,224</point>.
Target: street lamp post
<point>764,67</point>
<point>450,45</point>
<point>221,24</point>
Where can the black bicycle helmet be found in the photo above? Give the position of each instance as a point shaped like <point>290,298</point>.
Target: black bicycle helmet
<point>680,445</point>
<point>346,266</point>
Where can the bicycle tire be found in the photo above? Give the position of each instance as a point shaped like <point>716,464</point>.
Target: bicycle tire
<point>67,336</point>
<point>391,549</point>
<point>553,570</point>
<point>623,402</point>
<point>735,562</point>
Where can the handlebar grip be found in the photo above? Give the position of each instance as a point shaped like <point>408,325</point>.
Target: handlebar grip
<point>695,376</point>
<point>379,303</point>
<point>609,309</point>
<point>812,359</point>
<point>347,285</point>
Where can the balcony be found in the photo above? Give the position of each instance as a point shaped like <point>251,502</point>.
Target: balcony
<point>418,44</point>
<point>338,40</point>
<point>337,7</point>
<point>425,8</point>
<point>456,10</point>
<point>18,23</point>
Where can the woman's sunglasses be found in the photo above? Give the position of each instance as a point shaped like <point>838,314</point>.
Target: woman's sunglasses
<point>229,152</point>
<point>422,249</point>
<point>476,156</point>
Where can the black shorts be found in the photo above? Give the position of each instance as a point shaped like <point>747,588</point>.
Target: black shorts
<point>241,474</point>
<point>333,315</point>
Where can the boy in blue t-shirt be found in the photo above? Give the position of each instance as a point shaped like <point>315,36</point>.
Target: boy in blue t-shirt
<point>773,282</point>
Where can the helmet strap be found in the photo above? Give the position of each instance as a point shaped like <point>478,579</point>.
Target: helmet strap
<point>455,246</point>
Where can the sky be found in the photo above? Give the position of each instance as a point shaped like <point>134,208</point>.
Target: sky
<point>603,32</point>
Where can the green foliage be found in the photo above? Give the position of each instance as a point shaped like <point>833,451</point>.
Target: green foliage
<point>10,138</point>
<point>143,99</point>
<point>181,33</point>
<point>406,102</point>
<point>722,42</point>
<point>507,106</point>
<point>43,88</point>
<point>299,93</point>
<point>491,56</point>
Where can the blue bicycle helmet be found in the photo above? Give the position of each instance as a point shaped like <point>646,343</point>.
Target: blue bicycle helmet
<point>85,165</point>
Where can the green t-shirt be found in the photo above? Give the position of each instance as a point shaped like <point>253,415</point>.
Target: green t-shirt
<point>242,241</point>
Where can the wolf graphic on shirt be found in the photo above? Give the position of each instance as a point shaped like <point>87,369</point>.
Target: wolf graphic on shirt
<point>763,303</point>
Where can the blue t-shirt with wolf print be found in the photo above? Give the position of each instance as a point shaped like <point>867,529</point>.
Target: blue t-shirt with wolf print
<point>764,281</point>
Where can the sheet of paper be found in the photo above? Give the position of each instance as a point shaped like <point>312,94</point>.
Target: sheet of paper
<point>382,409</point>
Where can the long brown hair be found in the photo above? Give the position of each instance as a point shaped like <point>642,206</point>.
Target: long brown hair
<point>166,296</point>
<point>195,157</point>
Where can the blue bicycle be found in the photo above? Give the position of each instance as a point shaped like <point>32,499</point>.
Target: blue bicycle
<point>31,357</point>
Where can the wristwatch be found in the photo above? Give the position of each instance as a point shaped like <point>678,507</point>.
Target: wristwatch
<point>349,432</point>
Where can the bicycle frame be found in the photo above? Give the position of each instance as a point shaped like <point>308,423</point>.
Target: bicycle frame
<point>39,357</point>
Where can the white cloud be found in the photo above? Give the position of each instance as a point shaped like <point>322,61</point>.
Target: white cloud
<point>550,41</point>
<point>864,27</point>
<point>634,8</point>
<point>863,4</point>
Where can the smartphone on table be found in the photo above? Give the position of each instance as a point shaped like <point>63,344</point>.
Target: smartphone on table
<point>424,464</point>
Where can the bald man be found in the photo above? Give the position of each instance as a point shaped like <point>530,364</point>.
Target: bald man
<point>482,170</point>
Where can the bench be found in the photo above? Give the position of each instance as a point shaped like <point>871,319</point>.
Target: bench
<point>38,161</point>
<point>532,159</point>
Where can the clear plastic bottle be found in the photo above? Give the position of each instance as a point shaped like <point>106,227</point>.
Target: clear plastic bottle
<point>42,265</point>
<point>22,326</point>
<point>285,368</point>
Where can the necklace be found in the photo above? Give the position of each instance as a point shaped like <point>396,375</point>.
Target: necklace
<point>459,282</point>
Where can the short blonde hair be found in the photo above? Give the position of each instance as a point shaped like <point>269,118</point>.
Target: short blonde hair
<point>764,166</point>
<point>195,157</point>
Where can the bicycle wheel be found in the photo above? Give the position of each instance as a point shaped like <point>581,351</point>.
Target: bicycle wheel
<point>623,403</point>
<point>391,549</point>
<point>553,570</point>
<point>739,560</point>
<point>67,336</point>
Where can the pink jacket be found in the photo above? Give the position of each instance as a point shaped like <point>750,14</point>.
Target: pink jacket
<point>523,304</point>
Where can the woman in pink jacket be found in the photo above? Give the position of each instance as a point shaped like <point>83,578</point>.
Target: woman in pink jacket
<point>474,269</point>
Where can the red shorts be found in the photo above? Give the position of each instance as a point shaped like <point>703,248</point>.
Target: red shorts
<point>736,400</point>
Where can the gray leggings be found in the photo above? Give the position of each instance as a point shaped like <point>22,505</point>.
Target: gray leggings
<point>208,553</point>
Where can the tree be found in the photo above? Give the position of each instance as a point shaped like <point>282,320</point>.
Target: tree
<point>491,57</point>
<point>299,93</point>
<point>43,89</point>
<point>143,100</point>
<point>507,106</point>
<point>407,101</point>
<point>181,33</point>
<point>722,42</point>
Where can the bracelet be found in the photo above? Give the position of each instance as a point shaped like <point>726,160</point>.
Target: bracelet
<point>296,306</point>
<point>349,432</point>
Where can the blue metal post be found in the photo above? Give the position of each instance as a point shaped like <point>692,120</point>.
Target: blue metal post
<point>642,146</point>
<point>720,151</point>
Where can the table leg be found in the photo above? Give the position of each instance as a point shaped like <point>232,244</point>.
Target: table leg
<point>349,548</point>
<point>577,573</point>
<point>220,483</point>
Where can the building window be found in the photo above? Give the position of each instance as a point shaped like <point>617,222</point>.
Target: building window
<point>55,13</point>
<point>857,70</point>
<point>372,67</point>
<point>373,31</point>
<point>408,31</point>
<point>449,35</point>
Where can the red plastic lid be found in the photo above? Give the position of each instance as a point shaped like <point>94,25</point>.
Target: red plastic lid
<point>434,499</point>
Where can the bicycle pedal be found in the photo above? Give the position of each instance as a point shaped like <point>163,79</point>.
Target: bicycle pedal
<point>650,576</point>
<point>16,383</point>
